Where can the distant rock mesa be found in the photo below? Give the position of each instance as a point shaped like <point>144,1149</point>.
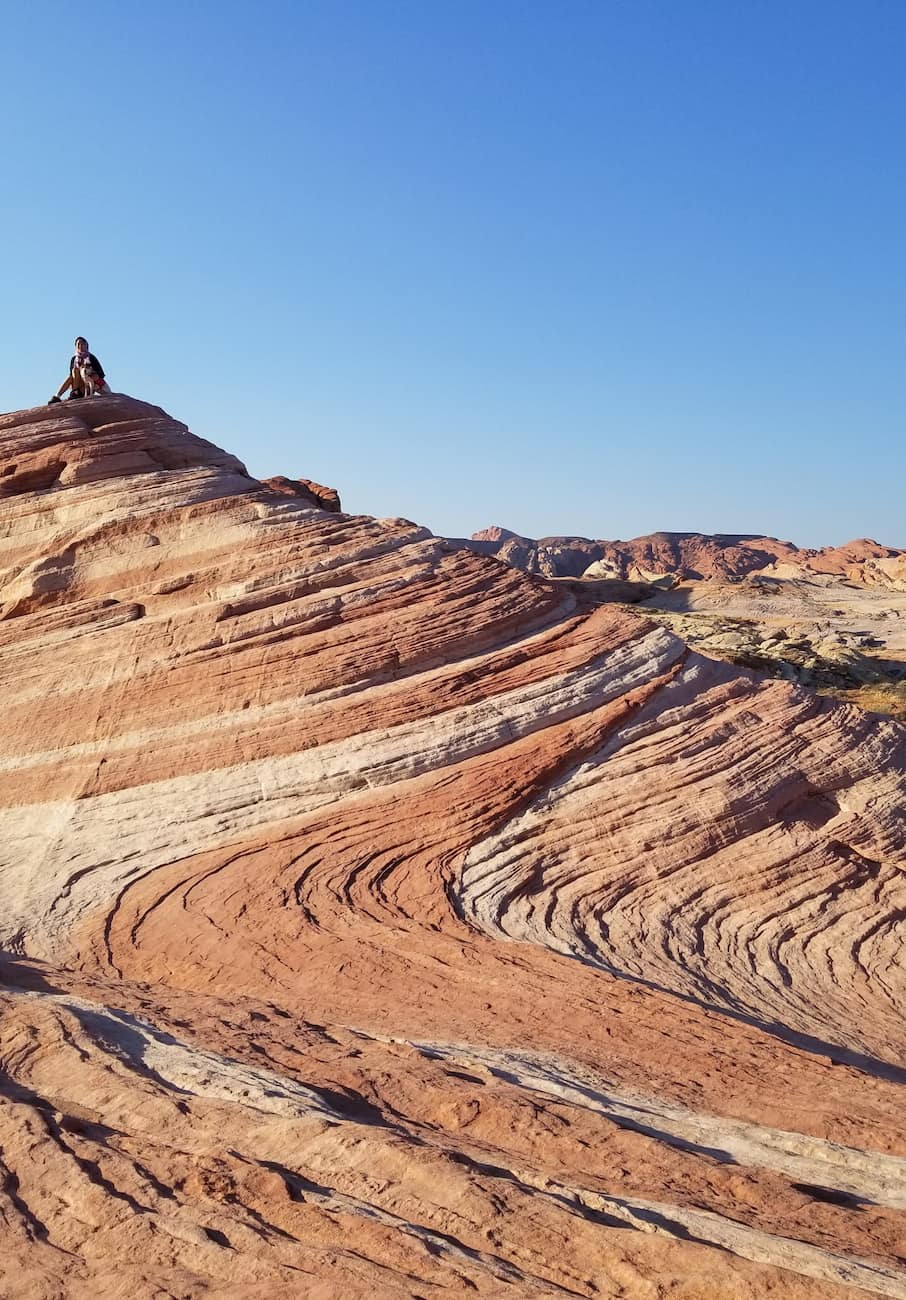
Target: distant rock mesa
<point>691,555</point>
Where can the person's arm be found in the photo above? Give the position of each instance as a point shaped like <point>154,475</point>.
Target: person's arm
<point>98,368</point>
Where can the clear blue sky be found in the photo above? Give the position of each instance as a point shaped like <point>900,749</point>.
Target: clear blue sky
<point>583,267</point>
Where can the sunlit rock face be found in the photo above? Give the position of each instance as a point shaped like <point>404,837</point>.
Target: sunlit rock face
<point>696,556</point>
<point>314,493</point>
<point>833,620</point>
<point>379,921</point>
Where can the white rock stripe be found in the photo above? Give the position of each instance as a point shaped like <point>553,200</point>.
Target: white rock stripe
<point>872,1176</point>
<point>749,1243</point>
<point>60,859</point>
<point>214,1077</point>
<point>708,892</point>
<point>255,715</point>
<point>869,1174</point>
<point>185,1067</point>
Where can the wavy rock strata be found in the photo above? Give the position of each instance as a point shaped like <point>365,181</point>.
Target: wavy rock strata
<point>379,921</point>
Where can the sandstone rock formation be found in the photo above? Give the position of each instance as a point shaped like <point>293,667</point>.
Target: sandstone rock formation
<point>697,556</point>
<point>831,619</point>
<point>316,495</point>
<point>379,920</point>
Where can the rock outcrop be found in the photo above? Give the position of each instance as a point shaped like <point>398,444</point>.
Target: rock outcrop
<point>832,619</point>
<point>314,493</point>
<point>379,920</point>
<point>695,556</point>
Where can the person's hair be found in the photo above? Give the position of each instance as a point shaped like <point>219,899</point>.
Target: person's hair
<point>80,340</point>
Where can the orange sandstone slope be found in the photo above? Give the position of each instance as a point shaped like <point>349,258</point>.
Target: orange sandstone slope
<point>378,922</point>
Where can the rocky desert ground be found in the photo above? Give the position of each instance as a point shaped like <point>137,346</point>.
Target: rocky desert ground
<point>832,619</point>
<point>379,919</point>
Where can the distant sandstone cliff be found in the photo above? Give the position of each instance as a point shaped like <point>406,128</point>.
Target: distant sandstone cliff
<point>690,555</point>
<point>831,619</point>
<point>381,921</point>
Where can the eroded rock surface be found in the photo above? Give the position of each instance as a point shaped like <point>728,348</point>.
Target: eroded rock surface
<point>314,493</point>
<point>697,556</point>
<point>833,619</point>
<point>382,921</point>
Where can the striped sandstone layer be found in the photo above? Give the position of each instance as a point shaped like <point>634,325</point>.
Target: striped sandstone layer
<point>380,922</point>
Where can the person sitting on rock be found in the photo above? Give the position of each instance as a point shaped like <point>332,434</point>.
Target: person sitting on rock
<point>76,382</point>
